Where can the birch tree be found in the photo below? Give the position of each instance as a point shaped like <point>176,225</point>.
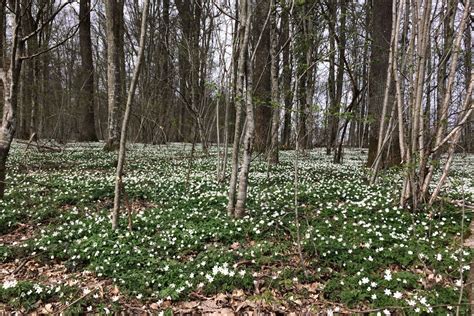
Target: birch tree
<point>336,78</point>
<point>238,181</point>
<point>421,146</point>
<point>10,74</point>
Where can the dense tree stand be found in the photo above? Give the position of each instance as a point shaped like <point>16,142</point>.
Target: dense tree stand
<point>269,156</point>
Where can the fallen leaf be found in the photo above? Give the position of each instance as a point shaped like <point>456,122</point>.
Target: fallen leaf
<point>238,294</point>
<point>154,306</point>
<point>48,308</point>
<point>190,305</point>
<point>209,305</point>
<point>223,311</point>
<point>115,290</point>
<point>312,287</point>
<point>244,305</point>
<point>221,298</point>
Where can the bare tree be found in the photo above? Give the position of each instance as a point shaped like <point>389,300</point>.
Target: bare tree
<point>427,172</point>
<point>304,48</point>
<point>86,99</point>
<point>468,135</point>
<point>114,17</point>
<point>336,79</point>
<point>286,73</point>
<point>249,135</point>
<point>238,194</point>
<point>262,74</point>
<point>421,147</point>
<point>119,186</point>
<point>10,72</point>
<point>273,156</point>
<point>10,76</point>
<point>449,10</point>
<point>381,29</point>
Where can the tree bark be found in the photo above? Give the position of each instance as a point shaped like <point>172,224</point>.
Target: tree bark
<point>2,48</point>
<point>28,103</point>
<point>238,195</point>
<point>114,9</point>
<point>286,76</point>
<point>469,129</point>
<point>274,86</point>
<point>426,178</point>
<point>191,51</point>
<point>446,53</point>
<point>10,79</point>
<point>304,51</point>
<point>335,81</point>
<point>87,118</point>
<point>467,111</point>
<point>262,75</point>
<point>381,30</point>
<point>248,138</point>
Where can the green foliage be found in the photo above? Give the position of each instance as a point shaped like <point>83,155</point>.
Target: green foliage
<point>25,294</point>
<point>6,253</point>
<point>362,248</point>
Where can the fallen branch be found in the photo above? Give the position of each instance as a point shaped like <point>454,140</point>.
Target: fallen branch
<point>32,138</point>
<point>199,296</point>
<point>23,263</point>
<point>460,203</point>
<point>74,302</point>
<point>29,143</point>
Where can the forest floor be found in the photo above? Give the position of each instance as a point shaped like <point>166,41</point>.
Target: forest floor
<point>360,251</point>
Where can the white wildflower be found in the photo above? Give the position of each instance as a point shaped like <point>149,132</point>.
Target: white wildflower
<point>9,284</point>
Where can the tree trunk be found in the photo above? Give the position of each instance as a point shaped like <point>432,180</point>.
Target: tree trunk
<point>262,76</point>
<point>274,87</point>
<point>25,96</point>
<point>166,96</point>
<point>2,48</point>
<point>381,27</point>
<point>333,106</point>
<point>426,177</point>
<point>114,82</point>
<point>444,58</point>
<point>286,76</point>
<point>27,82</point>
<point>469,130</point>
<point>243,77</point>
<point>192,63</point>
<point>248,140</point>
<point>119,187</point>
<point>361,122</point>
<point>87,119</point>
<point>386,136</point>
<point>304,48</point>
<point>10,79</point>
